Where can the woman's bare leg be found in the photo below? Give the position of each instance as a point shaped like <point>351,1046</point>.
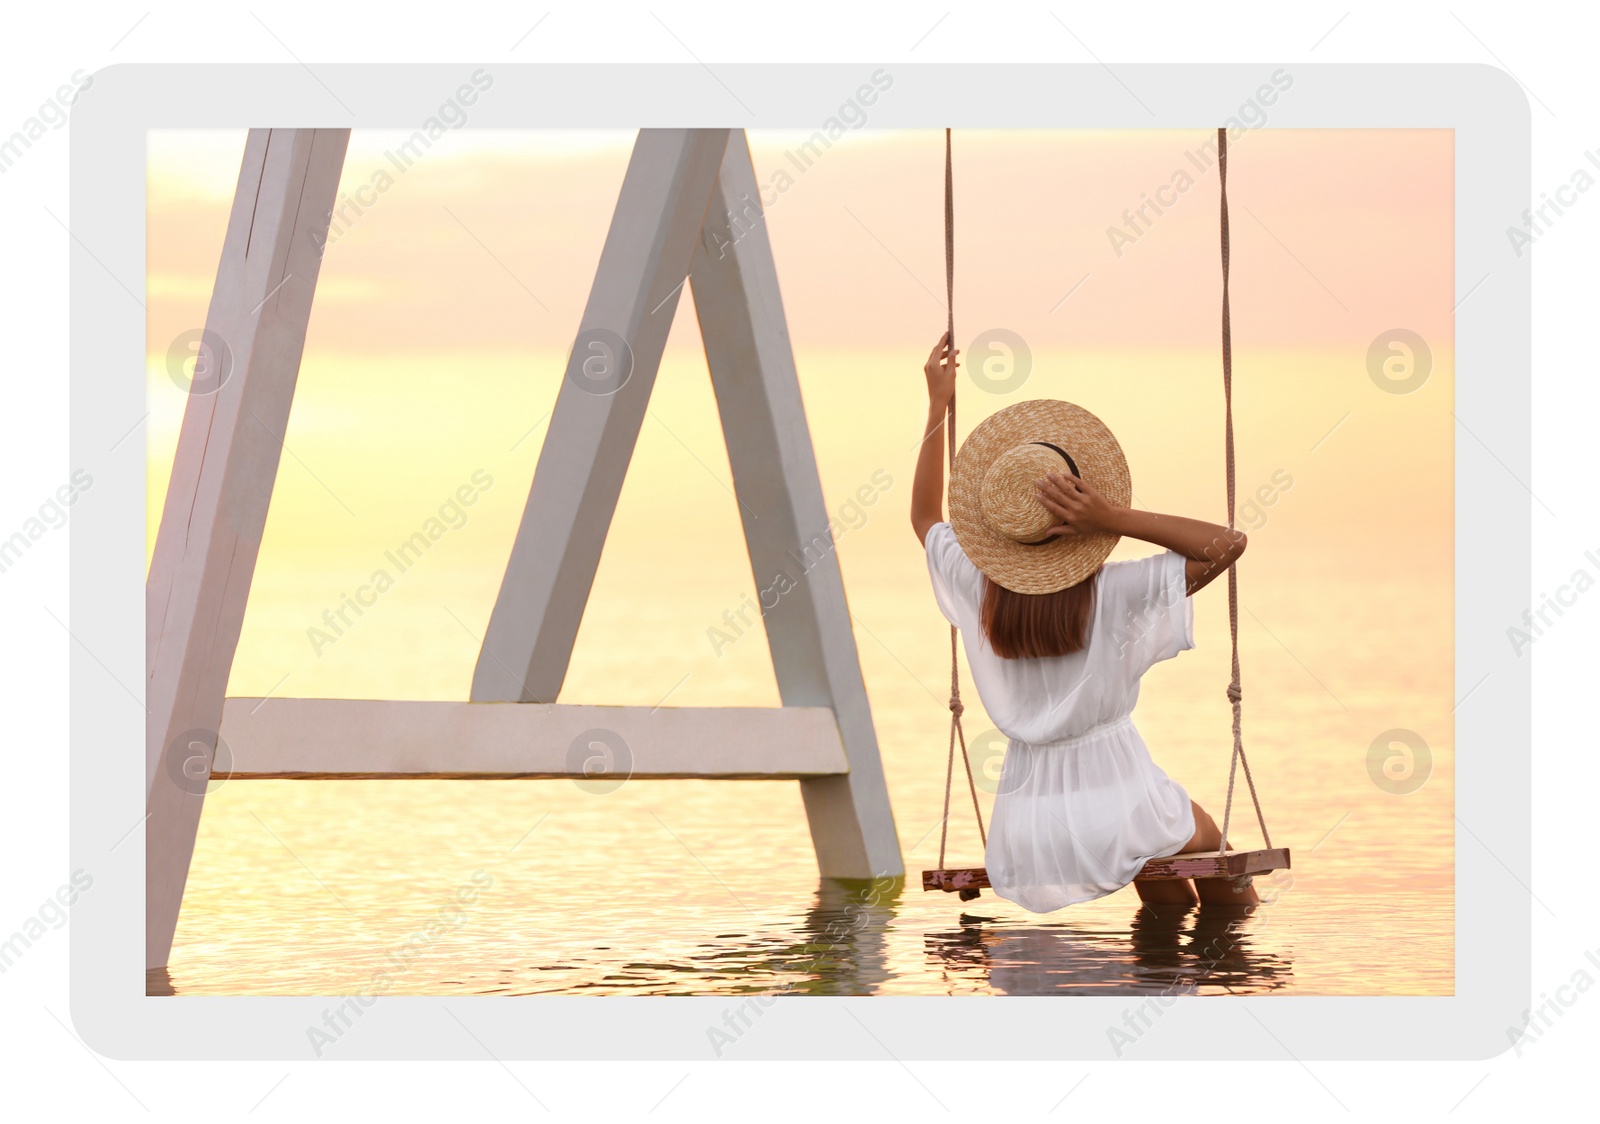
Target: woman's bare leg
<point>1174,891</point>
<point>1171,891</point>
<point>1215,891</point>
<point>1206,832</point>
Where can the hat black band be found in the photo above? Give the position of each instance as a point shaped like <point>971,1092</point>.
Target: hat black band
<point>1073,465</point>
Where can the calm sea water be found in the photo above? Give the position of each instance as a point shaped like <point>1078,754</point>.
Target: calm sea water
<point>697,887</point>
<point>678,888</point>
<point>690,887</point>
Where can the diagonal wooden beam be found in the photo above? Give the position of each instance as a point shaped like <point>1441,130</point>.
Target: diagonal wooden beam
<point>601,405</point>
<point>222,477</point>
<point>786,524</point>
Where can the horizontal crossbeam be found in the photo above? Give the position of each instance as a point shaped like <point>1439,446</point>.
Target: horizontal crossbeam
<point>365,738</point>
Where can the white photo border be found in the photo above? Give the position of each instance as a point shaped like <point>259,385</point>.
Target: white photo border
<point>1493,939</point>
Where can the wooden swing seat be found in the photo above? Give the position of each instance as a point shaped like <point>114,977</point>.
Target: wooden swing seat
<point>967,881</point>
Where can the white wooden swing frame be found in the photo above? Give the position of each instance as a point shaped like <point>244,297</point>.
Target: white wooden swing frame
<point>667,229</point>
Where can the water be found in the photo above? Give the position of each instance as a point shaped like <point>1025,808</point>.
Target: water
<point>332,886</point>
<point>701,887</point>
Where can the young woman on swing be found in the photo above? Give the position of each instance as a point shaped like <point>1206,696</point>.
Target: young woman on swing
<point>1058,638</point>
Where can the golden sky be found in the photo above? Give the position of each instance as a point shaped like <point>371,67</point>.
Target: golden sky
<point>445,309</point>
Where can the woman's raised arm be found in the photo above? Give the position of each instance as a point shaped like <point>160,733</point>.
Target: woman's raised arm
<point>1209,547</point>
<point>927,488</point>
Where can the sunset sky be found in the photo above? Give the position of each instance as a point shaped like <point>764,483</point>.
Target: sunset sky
<point>1339,233</point>
<point>444,312</point>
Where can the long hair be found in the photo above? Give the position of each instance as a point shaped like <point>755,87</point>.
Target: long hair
<point>1032,625</point>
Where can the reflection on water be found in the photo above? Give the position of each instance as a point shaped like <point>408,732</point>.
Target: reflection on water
<point>842,948</point>
<point>841,945</point>
<point>1168,949</point>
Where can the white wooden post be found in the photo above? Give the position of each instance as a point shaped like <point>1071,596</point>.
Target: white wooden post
<point>528,643</point>
<point>735,285</point>
<point>222,478</point>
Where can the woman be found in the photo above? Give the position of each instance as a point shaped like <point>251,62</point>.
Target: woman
<point>1058,639</point>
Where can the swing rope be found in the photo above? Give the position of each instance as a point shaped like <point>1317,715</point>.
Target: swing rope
<point>1235,694</point>
<point>956,709</point>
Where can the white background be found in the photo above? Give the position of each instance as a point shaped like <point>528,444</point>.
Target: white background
<point>47,1070</point>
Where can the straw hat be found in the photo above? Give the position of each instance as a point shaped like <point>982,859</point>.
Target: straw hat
<point>995,511</point>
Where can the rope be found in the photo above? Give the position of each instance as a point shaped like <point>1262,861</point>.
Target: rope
<point>1235,693</point>
<point>956,709</point>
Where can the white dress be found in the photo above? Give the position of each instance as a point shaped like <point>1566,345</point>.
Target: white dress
<point>1080,805</point>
